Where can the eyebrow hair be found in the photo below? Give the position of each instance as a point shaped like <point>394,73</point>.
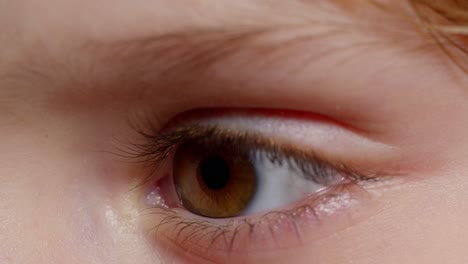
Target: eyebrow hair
<point>195,50</point>
<point>446,21</point>
<point>179,51</point>
<point>455,11</point>
<point>189,57</point>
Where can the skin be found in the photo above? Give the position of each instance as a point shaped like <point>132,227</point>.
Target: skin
<point>67,93</point>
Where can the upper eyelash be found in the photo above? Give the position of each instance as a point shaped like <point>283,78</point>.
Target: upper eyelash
<point>158,146</point>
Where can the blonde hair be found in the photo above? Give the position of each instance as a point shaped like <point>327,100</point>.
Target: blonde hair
<point>447,23</point>
<point>452,14</point>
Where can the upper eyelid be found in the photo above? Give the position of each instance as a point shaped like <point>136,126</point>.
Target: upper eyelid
<point>160,146</point>
<point>314,138</point>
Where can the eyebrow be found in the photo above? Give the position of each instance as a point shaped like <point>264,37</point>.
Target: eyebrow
<point>183,57</point>
<point>132,67</point>
<point>179,52</point>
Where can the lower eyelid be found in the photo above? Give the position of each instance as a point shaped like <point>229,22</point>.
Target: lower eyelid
<point>220,240</point>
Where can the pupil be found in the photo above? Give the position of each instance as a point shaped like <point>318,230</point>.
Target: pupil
<point>215,172</point>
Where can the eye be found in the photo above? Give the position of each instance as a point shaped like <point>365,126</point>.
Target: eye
<point>224,178</point>
<point>239,183</point>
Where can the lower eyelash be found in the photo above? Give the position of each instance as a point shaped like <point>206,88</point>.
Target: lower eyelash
<point>217,239</point>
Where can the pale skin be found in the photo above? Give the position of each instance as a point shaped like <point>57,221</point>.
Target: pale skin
<point>69,84</point>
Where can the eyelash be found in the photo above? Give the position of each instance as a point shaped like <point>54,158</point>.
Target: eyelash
<point>159,146</point>
<point>190,231</point>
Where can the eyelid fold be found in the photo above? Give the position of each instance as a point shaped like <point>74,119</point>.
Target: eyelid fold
<point>311,135</point>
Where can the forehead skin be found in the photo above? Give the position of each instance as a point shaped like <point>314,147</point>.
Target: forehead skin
<point>55,22</point>
<point>109,18</point>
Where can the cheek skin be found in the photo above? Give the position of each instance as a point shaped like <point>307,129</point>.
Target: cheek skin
<point>421,222</point>
<point>50,211</point>
<point>58,200</point>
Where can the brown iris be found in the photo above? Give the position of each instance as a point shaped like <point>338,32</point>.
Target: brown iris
<point>215,182</point>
